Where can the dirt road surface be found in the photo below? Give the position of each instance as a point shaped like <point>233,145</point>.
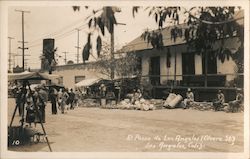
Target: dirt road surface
<point>113,130</point>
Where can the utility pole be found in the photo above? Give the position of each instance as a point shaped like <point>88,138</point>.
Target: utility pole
<point>77,47</point>
<point>23,48</point>
<point>65,57</point>
<point>10,53</point>
<point>112,53</point>
<point>112,56</point>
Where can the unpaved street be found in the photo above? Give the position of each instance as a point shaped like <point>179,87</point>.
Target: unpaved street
<point>96,129</point>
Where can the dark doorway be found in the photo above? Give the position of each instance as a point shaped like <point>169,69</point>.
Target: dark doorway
<point>213,79</point>
<point>211,64</point>
<point>155,70</point>
<point>188,66</point>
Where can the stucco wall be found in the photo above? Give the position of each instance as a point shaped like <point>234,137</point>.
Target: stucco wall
<point>70,74</point>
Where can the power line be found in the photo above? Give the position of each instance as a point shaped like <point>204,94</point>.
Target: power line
<point>59,31</point>
<point>63,35</point>
<point>59,35</point>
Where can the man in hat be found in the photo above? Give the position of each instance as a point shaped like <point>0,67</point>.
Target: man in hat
<point>71,98</point>
<point>19,100</point>
<point>219,101</point>
<point>235,105</point>
<point>189,98</point>
<point>53,95</point>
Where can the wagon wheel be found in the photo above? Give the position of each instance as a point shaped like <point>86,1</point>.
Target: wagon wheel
<point>36,138</point>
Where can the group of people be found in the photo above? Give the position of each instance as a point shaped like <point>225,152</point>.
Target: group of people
<point>26,100</point>
<point>63,99</point>
<point>218,102</point>
<point>233,105</point>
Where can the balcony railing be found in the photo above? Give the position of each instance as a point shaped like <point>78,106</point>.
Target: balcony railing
<point>209,80</point>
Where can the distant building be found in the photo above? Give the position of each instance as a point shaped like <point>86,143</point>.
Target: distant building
<point>74,73</point>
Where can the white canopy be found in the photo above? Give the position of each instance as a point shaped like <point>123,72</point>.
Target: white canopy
<point>87,82</point>
<point>31,76</point>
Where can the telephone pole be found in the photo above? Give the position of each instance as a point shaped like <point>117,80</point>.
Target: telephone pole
<point>77,47</point>
<point>65,57</point>
<point>112,43</point>
<point>10,53</point>
<point>23,48</point>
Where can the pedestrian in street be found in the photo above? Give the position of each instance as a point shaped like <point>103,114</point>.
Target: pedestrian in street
<point>53,95</point>
<point>64,98</point>
<point>77,98</point>
<point>60,99</point>
<point>40,103</point>
<point>43,98</point>
<point>71,98</point>
<point>18,95</point>
<point>67,99</point>
<point>30,115</point>
<point>189,98</point>
<point>219,101</point>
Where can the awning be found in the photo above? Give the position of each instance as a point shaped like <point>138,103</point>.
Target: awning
<point>31,76</point>
<point>87,82</point>
<point>50,76</point>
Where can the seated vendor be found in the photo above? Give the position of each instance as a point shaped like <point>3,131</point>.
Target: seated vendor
<point>219,101</point>
<point>235,105</point>
<point>189,98</point>
<point>137,95</point>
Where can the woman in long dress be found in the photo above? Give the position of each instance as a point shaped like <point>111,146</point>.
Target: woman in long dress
<point>30,115</point>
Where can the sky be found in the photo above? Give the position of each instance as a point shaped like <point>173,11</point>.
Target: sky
<point>60,23</point>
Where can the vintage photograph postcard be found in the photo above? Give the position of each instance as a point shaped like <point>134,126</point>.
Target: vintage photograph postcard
<point>124,79</point>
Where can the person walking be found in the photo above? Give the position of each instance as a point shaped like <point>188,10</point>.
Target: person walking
<point>77,97</point>
<point>43,98</point>
<point>71,98</point>
<point>19,100</point>
<point>52,96</point>
<point>40,103</point>
<point>64,99</point>
<point>60,99</point>
<point>30,115</point>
